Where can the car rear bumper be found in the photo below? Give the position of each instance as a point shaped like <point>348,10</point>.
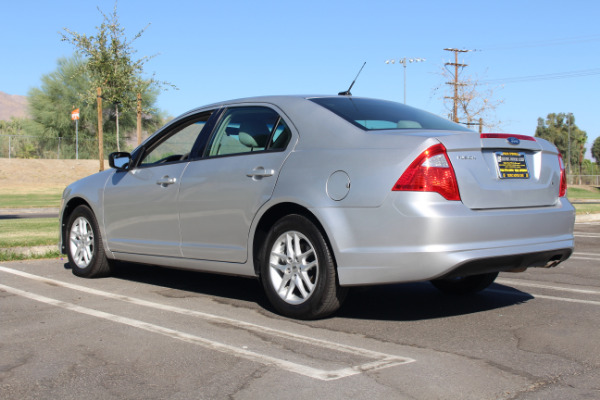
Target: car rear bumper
<point>416,237</point>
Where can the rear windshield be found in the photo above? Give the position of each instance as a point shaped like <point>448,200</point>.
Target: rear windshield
<point>372,114</point>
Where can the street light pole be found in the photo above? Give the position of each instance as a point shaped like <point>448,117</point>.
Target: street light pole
<point>569,142</point>
<point>403,61</point>
<point>404,65</point>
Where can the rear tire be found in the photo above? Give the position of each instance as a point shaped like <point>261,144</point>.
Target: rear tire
<point>465,284</point>
<point>298,271</point>
<point>84,245</point>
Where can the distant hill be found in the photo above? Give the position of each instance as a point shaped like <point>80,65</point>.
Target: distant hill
<point>12,105</point>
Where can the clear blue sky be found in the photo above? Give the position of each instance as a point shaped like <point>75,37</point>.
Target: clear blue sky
<point>221,50</point>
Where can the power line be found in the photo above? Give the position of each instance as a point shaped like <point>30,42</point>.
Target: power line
<point>543,77</point>
<point>543,43</point>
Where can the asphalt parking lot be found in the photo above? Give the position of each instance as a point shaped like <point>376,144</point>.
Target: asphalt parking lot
<point>152,333</point>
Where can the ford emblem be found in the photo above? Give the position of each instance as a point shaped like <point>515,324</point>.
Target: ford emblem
<point>513,140</point>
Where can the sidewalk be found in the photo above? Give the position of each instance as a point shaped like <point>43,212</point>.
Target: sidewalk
<point>16,213</point>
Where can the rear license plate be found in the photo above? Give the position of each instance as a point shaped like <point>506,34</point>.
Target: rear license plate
<point>512,165</point>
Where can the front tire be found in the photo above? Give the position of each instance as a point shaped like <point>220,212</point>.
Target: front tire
<point>84,248</point>
<point>465,284</point>
<point>298,271</point>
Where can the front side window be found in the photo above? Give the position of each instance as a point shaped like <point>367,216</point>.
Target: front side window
<point>176,145</point>
<point>249,129</point>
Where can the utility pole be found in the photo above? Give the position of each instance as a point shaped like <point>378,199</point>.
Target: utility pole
<point>456,83</point>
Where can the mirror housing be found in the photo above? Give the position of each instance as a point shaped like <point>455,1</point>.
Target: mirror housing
<point>119,160</point>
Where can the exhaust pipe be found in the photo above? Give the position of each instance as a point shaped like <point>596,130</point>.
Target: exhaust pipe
<point>553,262</point>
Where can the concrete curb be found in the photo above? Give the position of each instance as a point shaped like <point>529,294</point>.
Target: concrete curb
<point>30,251</point>
<point>21,213</point>
<point>45,210</point>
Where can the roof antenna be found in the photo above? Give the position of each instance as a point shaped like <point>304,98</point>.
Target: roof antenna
<point>347,92</point>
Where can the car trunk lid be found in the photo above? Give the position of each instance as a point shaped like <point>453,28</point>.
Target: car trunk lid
<point>503,170</point>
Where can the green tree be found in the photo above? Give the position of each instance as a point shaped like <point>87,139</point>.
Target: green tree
<point>15,140</point>
<point>51,104</point>
<point>589,168</point>
<point>110,65</point>
<point>596,150</point>
<point>557,128</point>
<point>50,108</point>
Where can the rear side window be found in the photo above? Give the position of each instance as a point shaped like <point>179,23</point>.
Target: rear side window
<point>281,136</point>
<point>247,130</point>
<point>372,114</point>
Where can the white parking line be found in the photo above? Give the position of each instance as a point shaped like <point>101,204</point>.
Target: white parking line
<point>542,296</point>
<point>586,235</point>
<point>587,254</point>
<point>566,299</point>
<point>517,282</point>
<point>381,360</point>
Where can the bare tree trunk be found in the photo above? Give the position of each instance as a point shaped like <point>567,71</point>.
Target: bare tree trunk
<point>100,133</point>
<point>580,161</point>
<point>139,119</point>
<point>117,121</point>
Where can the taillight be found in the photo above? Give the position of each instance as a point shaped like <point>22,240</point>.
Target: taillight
<point>563,177</point>
<point>430,172</point>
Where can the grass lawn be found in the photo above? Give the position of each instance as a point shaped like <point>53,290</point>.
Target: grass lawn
<point>31,198</point>
<point>17,235</point>
<point>13,255</point>
<point>583,193</point>
<point>28,232</point>
<point>587,208</point>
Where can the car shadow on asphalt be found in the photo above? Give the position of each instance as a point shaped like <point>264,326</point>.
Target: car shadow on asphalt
<point>184,283</point>
<point>396,302</point>
<point>421,301</point>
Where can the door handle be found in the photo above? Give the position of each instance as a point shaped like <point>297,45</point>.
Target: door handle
<point>260,172</point>
<point>166,181</point>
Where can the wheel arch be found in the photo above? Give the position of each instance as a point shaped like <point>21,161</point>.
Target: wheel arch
<point>270,217</point>
<point>68,209</point>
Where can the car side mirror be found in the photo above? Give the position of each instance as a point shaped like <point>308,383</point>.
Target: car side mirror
<point>119,160</point>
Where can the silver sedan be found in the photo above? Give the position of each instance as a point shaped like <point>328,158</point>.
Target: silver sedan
<point>314,194</point>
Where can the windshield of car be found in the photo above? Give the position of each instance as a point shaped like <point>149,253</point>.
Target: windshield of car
<point>372,114</point>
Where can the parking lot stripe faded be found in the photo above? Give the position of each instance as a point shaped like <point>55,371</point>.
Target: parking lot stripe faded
<point>585,258</point>
<point>587,254</point>
<point>542,296</point>
<point>586,235</point>
<point>517,282</point>
<point>381,360</point>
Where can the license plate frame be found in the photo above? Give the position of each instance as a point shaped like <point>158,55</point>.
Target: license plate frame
<point>512,165</point>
